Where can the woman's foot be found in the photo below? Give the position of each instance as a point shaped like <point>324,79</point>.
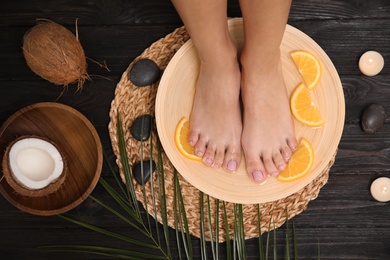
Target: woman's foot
<point>215,119</point>
<point>268,138</point>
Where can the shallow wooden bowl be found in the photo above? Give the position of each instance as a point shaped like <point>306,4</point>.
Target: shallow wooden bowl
<point>175,97</point>
<point>79,144</point>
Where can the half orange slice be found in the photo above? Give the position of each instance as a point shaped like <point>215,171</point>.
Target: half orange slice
<point>309,67</point>
<point>181,140</point>
<point>300,163</point>
<point>303,107</point>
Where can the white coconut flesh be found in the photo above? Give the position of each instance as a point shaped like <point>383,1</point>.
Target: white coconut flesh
<point>35,162</point>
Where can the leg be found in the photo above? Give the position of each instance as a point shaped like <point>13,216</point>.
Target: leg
<point>268,137</point>
<point>215,118</point>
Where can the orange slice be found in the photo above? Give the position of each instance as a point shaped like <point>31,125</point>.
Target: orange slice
<point>303,107</point>
<point>300,163</point>
<point>181,140</point>
<point>309,67</point>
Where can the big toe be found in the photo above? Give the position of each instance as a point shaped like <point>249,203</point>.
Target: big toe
<point>255,168</point>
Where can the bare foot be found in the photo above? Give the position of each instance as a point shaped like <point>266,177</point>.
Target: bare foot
<point>268,138</point>
<point>215,120</point>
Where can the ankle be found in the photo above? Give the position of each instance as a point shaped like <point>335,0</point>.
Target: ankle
<point>267,61</point>
<point>223,50</point>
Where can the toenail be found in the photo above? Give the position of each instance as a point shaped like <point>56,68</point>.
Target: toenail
<point>232,165</point>
<point>257,175</point>
<point>274,174</point>
<point>215,165</point>
<point>208,161</point>
<point>199,153</point>
<point>281,167</point>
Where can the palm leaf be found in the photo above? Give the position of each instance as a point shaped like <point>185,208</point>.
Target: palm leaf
<point>202,229</point>
<point>260,239</point>
<point>211,228</point>
<point>229,252</point>
<point>126,167</point>
<point>295,242</point>
<point>119,182</point>
<point>287,238</point>
<point>120,201</point>
<point>275,249</point>
<point>216,229</point>
<point>121,216</point>
<point>160,241</point>
<point>109,233</point>
<point>104,251</point>
<point>182,217</point>
<point>162,197</point>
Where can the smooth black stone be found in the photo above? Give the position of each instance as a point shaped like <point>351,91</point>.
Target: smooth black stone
<point>373,118</point>
<point>144,72</point>
<point>141,127</point>
<point>147,171</point>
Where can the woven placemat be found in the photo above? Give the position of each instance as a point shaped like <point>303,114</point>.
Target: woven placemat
<point>131,101</point>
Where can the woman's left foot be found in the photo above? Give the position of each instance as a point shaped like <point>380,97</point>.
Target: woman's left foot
<point>268,138</point>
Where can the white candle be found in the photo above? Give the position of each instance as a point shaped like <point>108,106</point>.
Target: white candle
<point>371,63</point>
<point>380,189</point>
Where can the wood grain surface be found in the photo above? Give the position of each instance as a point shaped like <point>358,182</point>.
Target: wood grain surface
<point>346,221</point>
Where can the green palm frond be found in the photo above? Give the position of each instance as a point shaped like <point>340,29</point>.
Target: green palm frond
<point>229,251</point>
<point>157,234</point>
<point>105,251</point>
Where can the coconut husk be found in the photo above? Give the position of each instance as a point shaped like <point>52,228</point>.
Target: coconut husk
<point>55,53</point>
<point>19,187</point>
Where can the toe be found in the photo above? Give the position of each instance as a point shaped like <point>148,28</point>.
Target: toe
<point>209,155</point>
<point>279,161</point>
<point>286,152</point>
<point>200,147</point>
<point>255,168</point>
<point>193,138</point>
<point>232,158</point>
<point>292,143</point>
<point>269,164</point>
<point>258,176</point>
<point>219,156</point>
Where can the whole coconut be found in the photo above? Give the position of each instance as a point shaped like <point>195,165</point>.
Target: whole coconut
<point>54,53</point>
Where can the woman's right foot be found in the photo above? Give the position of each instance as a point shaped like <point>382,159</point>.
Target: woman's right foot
<point>215,119</point>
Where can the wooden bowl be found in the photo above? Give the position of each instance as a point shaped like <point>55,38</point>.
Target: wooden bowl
<point>175,97</point>
<point>79,144</point>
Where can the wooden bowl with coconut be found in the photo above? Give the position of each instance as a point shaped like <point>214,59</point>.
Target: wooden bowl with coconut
<point>51,158</point>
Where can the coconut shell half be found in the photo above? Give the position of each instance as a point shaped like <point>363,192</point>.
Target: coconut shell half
<point>54,53</point>
<point>18,187</point>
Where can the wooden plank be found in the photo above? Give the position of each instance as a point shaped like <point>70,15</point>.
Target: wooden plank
<point>327,221</point>
<point>344,218</point>
<point>343,41</point>
<point>117,46</point>
<point>151,12</point>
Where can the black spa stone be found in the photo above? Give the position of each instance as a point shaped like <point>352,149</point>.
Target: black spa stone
<point>144,167</point>
<point>144,72</point>
<point>141,127</point>
<point>373,118</point>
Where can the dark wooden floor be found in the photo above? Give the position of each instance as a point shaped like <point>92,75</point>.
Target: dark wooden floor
<point>345,219</point>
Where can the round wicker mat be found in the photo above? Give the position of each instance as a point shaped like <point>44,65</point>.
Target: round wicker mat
<point>131,102</point>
